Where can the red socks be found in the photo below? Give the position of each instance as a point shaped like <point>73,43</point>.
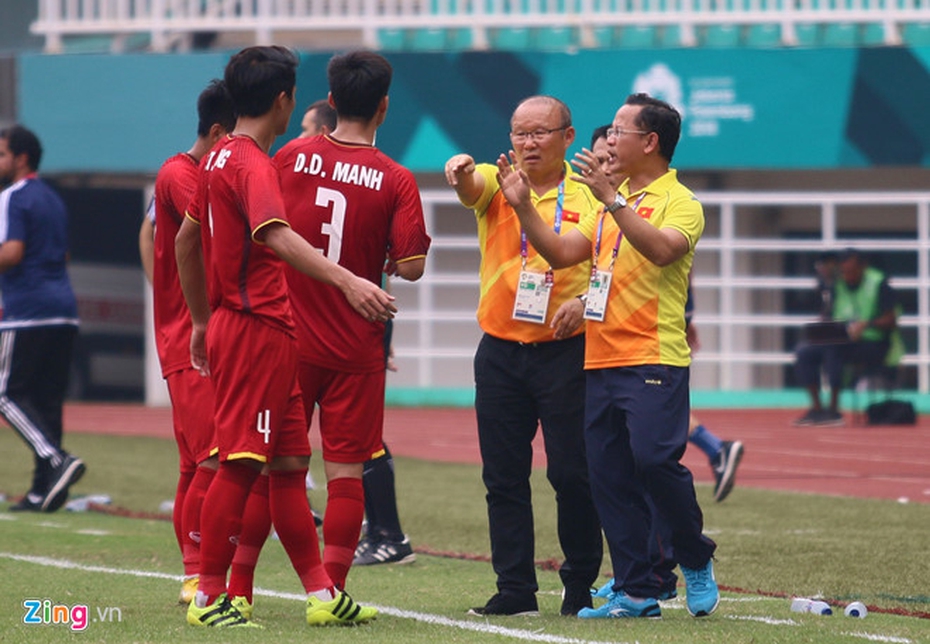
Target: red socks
<point>220,524</point>
<point>345,508</point>
<point>256,524</point>
<point>190,518</point>
<point>290,513</point>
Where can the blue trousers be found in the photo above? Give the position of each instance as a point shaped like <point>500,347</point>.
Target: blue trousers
<point>518,388</point>
<point>636,431</point>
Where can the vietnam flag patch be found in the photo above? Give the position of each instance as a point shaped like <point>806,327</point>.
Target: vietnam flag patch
<point>568,215</point>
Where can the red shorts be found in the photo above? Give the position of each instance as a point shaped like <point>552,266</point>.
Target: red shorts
<point>351,411</point>
<point>259,413</point>
<point>192,411</point>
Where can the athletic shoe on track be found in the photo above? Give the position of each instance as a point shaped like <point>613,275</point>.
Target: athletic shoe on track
<point>703,594</point>
<point>383,551</point>
<point>725,465</point>
<point>221,614</point>
<point>621,605</point>
<point>188,590</point>
<point>341,611</point>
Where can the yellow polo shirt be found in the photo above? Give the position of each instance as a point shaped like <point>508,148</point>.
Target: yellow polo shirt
<point>499,241</point>
<point>645,321</point>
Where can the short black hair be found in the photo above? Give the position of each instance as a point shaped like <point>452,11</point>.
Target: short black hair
<point>257,75</point>
<point>358,80</point>
<point>599,132</point>
<point>23,141</point>
<point>659,117</point>
<point>214,105</point>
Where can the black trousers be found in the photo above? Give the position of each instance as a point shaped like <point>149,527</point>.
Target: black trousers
<point>35,363</point>
<point>518,388</point>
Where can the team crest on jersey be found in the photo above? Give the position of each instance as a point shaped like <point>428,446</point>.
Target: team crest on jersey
<point>572,216</point>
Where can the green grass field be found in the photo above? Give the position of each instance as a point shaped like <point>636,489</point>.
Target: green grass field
<point>771,546</point>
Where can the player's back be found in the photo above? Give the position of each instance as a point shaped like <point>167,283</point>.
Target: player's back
<point>175,186</point>
<point>358,207</point>
<point>238,195</point>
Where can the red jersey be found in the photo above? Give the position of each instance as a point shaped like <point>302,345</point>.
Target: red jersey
<point>359,207</point>
<point>175,186</point>
<point>238,195</point>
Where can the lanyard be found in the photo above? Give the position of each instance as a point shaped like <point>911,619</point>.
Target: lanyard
<point>616,249</point>
<point>556,226</point>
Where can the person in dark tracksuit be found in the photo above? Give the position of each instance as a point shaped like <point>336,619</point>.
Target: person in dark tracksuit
<point>39,320</point>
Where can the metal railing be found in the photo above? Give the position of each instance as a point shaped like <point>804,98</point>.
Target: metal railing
<point>741,280</point>
<point>167,22</point>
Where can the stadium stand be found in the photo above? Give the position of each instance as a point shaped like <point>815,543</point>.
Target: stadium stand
<point>169,25</point>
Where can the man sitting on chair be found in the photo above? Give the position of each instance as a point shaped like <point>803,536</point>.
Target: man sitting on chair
<point>862,298</point>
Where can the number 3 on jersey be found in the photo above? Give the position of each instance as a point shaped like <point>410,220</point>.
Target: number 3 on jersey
<point>333,229</point>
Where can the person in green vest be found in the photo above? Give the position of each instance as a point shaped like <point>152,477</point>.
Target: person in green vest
<point>862,297</point>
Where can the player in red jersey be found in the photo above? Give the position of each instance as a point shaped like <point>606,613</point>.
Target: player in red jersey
<point>348,198</point>
<point>191,395</point>
<point>231,246</point>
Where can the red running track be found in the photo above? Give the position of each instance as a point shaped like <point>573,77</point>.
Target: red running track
<point>859,461</point>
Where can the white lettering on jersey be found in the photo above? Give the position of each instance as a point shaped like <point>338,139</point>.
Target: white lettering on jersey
<point>358,175</point>
<point>313,166</point>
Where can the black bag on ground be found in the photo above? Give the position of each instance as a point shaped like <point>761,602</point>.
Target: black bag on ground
<point>891,412</point>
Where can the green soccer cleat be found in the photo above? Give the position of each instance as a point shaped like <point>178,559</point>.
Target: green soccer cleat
<point>221,613</point>
<point>241,604</point>
<point>341,611</point>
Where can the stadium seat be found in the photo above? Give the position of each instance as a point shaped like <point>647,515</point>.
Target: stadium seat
<point>392,39</point>
<point>640,37</point>
<point>670,36</point>
<point>808,35</point>
<point>845,34</point>
<point>429,40</point>
<point>554,38</point>
<point>873,35</point>
<point>460,39</point>
<point>605,36</point>
<point>763,36</point>
<point>720,36</point>
<point>510,38</point>
<point>916,34</point>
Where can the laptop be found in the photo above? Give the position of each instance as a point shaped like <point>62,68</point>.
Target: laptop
<point>826,332</point>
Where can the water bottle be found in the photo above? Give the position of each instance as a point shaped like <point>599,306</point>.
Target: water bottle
<point>805,605</point>
<point>82,503</point>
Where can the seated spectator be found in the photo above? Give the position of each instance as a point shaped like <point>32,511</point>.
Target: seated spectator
<point>862,298</point>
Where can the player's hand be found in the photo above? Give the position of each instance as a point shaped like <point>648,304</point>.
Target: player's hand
<point>199,351</point>
<point>567,319</point>
<point>593,176</point>
<point>513,181</point>
<point>369,301</point>
<point>459,166</point>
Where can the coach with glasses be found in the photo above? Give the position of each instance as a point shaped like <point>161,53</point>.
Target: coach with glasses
<point>528,365</point>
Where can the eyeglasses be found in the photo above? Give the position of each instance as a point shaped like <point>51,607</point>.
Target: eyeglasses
<point>535,135</point>
<point>619,131</point>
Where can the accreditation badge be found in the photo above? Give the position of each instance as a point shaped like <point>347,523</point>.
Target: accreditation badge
<point>532,299</point>
<point>598,288</point>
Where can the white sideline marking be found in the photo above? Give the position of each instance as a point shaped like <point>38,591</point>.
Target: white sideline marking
<point>881,638</point>
<point>477,626</point>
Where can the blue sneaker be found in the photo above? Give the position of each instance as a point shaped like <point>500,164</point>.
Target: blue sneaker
<point>703,594</point>
<point>604,591</point>
<point>621,605</point>
<point>607,590</point>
